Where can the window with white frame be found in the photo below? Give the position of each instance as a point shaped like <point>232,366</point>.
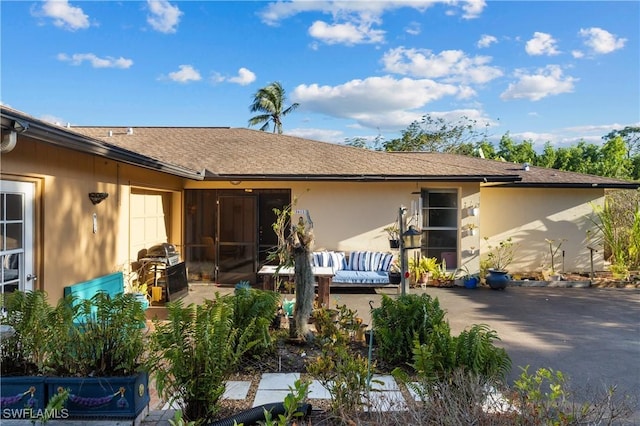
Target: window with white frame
<point>440,225</point>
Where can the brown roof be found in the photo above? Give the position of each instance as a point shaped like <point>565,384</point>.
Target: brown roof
<point>245,154</point>
<point>226,153</point>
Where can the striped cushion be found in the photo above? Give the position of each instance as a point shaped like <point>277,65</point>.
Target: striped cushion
<point>320,258</point>
<point>385,262</point>
<point>337,260</point>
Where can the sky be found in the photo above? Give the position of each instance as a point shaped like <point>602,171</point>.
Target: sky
<point>542,71</point>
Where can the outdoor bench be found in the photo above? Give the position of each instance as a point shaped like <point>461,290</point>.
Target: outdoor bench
<point>357,269</point>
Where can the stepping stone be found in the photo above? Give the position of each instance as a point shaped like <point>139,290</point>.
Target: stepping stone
<point>388,383</point>
<point>274,387</point>
<point>278,381</point>
<point>267,396</point>
<point>317,391</point>
<point>237,390</point>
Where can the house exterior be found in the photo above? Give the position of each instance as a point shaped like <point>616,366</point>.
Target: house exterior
<point>211,192</point>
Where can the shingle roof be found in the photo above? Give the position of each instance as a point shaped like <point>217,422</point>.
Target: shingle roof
<point>227,153</point>
<point>244,154</point>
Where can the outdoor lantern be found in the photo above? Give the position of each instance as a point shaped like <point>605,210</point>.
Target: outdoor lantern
<point>412,238</point>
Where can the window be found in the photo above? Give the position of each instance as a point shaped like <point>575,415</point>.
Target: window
<point>440,225</point>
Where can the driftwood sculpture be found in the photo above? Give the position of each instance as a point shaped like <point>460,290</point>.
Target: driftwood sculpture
<point>301,248</point>
<point>295,244</point>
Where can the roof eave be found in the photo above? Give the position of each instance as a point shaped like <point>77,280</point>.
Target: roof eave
<point>60,137</point>
<point>612,185</point>
<point>361,178</point>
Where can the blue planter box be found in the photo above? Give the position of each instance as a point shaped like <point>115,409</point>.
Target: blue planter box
<point>15,395</point>
<point>103,397</point>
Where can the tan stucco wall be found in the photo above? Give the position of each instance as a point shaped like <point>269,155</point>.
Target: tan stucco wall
<point>532,215</point>
<point>352,215</point>
<point>67,249</point>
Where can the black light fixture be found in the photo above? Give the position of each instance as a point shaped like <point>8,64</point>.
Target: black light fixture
<point>97,197</point>
<point>412,238</point>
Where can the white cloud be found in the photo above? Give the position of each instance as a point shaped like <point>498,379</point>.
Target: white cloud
<point>186,74</point>
<point>449,65</point>
<point>164,17</point>
<point>486,41</point>
<point>541,44</point>
<point>373,102</point>
<point>64,15</point>
<point>243,78</point>
<point>95,61</point>
<point>601,41</point>
<point>353,21</point>
<point>347,33</point>
<point>545,82</point>
<point>577,54</point>
<point>413,28</point>
<point>473,8</point>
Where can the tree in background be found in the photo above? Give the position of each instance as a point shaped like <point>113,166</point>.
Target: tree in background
<point>435,134</point>
<point>269,101</point>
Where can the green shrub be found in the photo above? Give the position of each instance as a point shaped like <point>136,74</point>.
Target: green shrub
<point>194,352</point>
<point>40,332</point>
<point>347,377</point>
<point>251,305</point>
<point>108,339</point>
<point>471,351</point>
<point>399,322</point>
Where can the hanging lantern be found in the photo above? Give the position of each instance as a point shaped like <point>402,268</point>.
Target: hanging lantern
<point>412,238</point>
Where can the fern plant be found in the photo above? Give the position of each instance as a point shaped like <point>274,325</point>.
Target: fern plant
<point>108,339</point>
<point>399,322</point>
<point>40,331</point>
<point>194,352</point>
<point>258,306</point>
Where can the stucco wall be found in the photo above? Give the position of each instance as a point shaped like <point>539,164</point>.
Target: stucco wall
<point>530,216</point>
<point>67,250</point>
<point>353,215</point>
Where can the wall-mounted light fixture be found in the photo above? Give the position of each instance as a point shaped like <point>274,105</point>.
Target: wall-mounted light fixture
<point>97,197</point>
<point>235,182</point>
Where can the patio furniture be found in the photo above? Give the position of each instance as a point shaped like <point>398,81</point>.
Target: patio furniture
<point>323,275</point>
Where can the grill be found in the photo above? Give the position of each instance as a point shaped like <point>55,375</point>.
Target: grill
<point>164,253</point>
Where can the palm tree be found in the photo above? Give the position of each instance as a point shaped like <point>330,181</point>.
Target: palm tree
<point>270,102</point>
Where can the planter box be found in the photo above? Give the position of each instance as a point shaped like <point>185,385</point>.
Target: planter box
<point>13,387</point>
<point>100,397</point>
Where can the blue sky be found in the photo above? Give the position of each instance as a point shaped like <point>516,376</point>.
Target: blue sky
<point>544,71</point>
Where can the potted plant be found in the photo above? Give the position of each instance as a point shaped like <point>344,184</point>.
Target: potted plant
<point>469,280</point>
<point>104,377</point>
<point>393,232</point>
<point>441,276</point>
<point>473,210</point>
<point>497,260</point>
<point>30,323</point>
<point>422,267</point>
<point>471,228</point>
<point>88,351</point>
